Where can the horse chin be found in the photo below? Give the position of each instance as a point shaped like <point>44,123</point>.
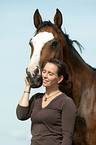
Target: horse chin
<point>35,80</point>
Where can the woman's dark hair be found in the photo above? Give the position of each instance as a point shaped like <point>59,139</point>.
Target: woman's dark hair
<point>62,69</point>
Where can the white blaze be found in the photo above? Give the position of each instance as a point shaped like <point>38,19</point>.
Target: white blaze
<point>38,42</point>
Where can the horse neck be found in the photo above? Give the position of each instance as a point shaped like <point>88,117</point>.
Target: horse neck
<point>81,74</point>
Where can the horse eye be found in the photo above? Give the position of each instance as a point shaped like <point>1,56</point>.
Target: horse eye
<point>54,44</point>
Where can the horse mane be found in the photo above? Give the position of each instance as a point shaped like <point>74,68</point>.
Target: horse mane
<point>70,42</point>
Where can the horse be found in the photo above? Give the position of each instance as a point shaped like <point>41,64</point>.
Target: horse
<point>50,41</point>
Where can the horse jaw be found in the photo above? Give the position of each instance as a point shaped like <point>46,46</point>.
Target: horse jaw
<point>38,42</point>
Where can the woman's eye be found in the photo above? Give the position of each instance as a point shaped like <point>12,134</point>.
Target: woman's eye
<point>43,71</point>
<point>50,74</point>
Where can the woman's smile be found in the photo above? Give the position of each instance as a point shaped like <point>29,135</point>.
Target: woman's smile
<point>45,81</point>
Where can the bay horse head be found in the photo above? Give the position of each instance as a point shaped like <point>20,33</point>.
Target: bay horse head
<point>48,42</point>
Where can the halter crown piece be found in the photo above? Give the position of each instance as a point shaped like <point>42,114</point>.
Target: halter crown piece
<point>45,99</point>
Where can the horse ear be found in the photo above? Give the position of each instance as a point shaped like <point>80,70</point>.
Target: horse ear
<point>37,18</point>
<point>58,18</point>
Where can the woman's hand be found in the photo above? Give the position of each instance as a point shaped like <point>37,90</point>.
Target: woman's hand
<point>28,87</point>
<point>25,98</point>
<point>26,82</point>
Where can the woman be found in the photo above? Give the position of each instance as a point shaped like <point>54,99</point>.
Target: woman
<point>52,113</point>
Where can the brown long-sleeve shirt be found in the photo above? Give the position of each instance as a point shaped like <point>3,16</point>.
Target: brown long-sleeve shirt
<point>52,125</point>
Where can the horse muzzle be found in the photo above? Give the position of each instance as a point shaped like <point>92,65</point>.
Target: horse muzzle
<point>35,80</point>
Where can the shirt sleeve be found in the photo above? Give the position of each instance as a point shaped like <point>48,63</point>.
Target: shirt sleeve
<point>68,122</point>
<point>24,113</point>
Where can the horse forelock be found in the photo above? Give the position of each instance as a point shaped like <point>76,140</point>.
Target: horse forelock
<point>46,23</point>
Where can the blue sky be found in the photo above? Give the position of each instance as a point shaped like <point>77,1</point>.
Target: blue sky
<point>16,29</point>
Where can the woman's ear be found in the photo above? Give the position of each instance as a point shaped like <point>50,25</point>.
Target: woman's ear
<point>60,79</point>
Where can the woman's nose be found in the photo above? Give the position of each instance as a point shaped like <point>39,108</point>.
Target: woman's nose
<point>45,75</point>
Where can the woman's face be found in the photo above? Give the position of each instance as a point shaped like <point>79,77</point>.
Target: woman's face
<point>49,75</point>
